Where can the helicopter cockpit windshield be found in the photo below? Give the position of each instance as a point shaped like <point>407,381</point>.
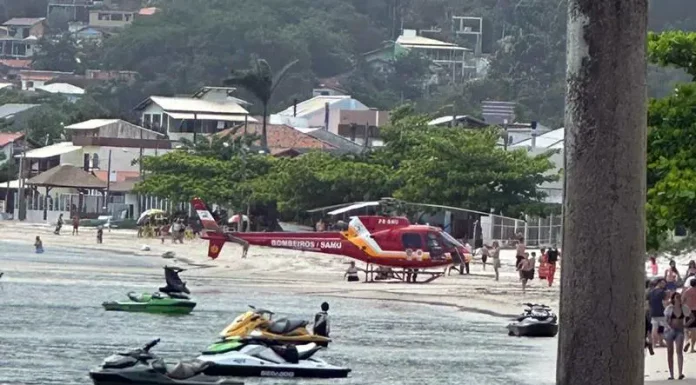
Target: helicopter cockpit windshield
<point>450,242</point>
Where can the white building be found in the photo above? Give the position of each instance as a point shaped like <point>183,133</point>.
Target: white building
<point>69,91</point>
<point>208,111</point>
<point>552,140</point>
<point>319,112</point>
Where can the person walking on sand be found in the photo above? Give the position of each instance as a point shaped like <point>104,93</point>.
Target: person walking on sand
<point>520,249</point>
<point>672,276</point>
<point>653,266</point>
<point>526,271</point>
<point>75,225</point>
<point>552,255</point>
<point>100,234</point>
<point>676,315</point>
<point>689,299</point>
<point>38,245</point>
<point>656,300</point>
<point>59,224</point>
<point>495,256</point>
<point>485,253</point>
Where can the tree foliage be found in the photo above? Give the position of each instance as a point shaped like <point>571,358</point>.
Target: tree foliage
<point>672,142</point>
<point>419,163</point>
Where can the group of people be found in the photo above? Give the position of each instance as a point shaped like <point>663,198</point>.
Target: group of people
<point>671,313</point>
<point>526,264</point>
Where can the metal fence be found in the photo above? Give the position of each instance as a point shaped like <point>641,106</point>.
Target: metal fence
<point>537,232</point>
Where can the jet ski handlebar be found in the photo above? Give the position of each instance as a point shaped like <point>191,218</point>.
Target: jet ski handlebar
<point>150,345</point>
<point>536,305</point>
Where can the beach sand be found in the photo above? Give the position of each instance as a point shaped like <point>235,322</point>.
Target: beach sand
<point>322,275</point>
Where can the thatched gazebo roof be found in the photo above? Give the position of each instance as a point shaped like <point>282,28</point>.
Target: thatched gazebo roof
<point>67,176</point>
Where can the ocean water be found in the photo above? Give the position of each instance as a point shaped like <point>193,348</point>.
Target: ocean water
<point>53,329</point>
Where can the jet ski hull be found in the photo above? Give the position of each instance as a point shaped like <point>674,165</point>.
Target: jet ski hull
<point>241,365</point>
<point>532,329</point>
<point>158,306</point>
<point>148,376</point>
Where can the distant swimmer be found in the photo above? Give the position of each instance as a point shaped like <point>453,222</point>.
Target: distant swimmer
<point>38,245</point>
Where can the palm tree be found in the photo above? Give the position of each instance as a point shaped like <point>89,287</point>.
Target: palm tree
<point>261,82</point>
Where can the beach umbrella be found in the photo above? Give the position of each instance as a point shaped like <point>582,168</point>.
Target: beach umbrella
<point>149,213</point>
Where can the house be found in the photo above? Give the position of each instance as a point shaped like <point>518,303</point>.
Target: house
<point>381,60</point>
<point>10,143</point>
<point>106,18</point>
<point>465,121</point>
<point>323,111</point>
<point>91,34</point>
<point>456,62</point>
<point>69,91</point>
<point>184,117</point>
<point>282,140</point>
<point>16,114</point>
<point>103,147</point>
<point>22,37</point>
<point>31,79</point>
<point>544,142</point>
<point>342,144</point>
<point>76,10</point>
<point>362,126</point>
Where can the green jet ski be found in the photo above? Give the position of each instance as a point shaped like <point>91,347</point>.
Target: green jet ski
<point>171,299</point>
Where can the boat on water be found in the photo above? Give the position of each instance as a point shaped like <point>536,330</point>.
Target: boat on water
<point>139,366</point>
<point>536,321</point>
<point>170,299</point>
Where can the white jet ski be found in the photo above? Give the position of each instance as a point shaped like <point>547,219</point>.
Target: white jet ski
<point>250,358</point>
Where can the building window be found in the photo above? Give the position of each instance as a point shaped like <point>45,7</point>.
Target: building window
<point>95,160</point>
<point>156,122</point>
<point>25,33</point>
<point>104,16</point>
<point>116,17</point>
<point>146,120</point>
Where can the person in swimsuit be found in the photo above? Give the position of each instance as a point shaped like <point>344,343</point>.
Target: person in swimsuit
<point>38,245</point>
<point>526,271</point>
<point>691,270</point>
<point>689,299</point>
<point>484,256</point>
<point>676,314</point>
<point>495,255</point>
<point>672,276</point>
<point>352,273</point>
<point>520,249</point>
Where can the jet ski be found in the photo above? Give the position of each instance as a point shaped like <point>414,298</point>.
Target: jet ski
<point>536,321</point>
<point>139,366</point>
<point>171,299</point>
<point>243,357</point>
<point>258,324</point>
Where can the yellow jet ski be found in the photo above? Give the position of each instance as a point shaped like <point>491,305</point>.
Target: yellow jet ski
<point>259,324</point>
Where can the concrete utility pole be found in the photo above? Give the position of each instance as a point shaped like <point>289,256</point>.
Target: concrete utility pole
<point>602,320</point>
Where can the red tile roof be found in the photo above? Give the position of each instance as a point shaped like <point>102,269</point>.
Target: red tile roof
<point>16,63</point>
<point>281,136</point>
<point>120,175</point>
<point>7,138</point>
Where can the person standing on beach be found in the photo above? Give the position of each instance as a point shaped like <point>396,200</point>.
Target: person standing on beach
<point>38,245</point>
<point>689,299</point>
<point>672,276</point>
<point>495,255</point>
<point>551,259</point>
<point>532,264</point>
<point>656,299</point>
<point>676,315</point>
<point>59,224</point>
<point>520,249</point>
<point>484,256</point>
<point>75,225</point>
<point>526,271</point>
<point>100,234</point>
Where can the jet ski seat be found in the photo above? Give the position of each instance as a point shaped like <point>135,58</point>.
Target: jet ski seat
<point>181,370</point>
<point>135,297</point>
<point>286,325</point>
<point>178,295</point>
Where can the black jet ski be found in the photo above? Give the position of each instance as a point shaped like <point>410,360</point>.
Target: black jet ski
<point>141,367</point>
<point>536,321</point>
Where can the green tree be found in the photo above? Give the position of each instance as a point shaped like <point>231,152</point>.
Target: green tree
<point>262,83</point>
<point>462,168</point>
<point>671,141</point>
<point>57,55</point>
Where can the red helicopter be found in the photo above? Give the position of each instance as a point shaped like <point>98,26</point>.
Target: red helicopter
<point>386,241</point>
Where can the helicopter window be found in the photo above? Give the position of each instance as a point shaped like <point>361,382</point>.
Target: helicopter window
<point>412,241</point>
<point>434,240</point>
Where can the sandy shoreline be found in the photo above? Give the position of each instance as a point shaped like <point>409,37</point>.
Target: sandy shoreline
<point>293,270</point>
<point>321,275</point>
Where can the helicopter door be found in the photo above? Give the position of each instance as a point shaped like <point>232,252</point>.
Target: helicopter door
<point>435,246</point>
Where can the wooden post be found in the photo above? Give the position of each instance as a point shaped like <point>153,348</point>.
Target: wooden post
<point>602,302</point>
